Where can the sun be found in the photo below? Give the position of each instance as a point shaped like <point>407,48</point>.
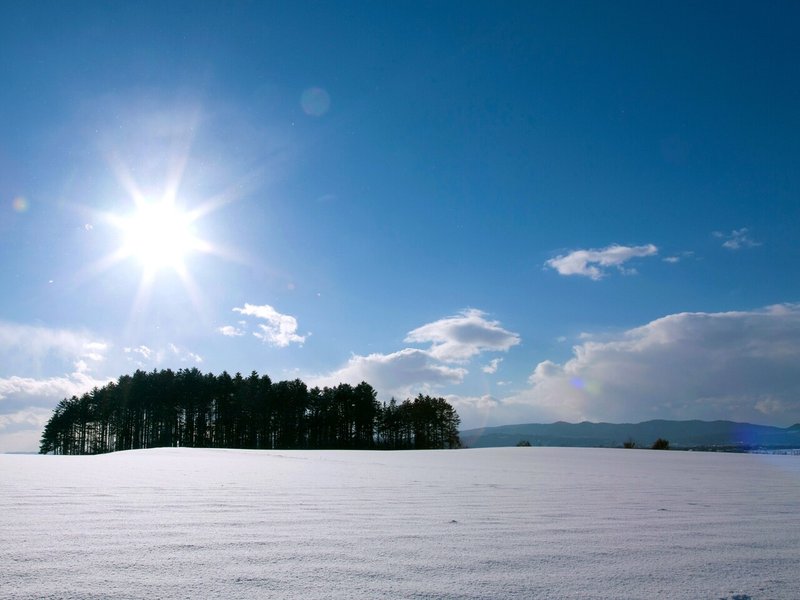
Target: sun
<point>158,235</point>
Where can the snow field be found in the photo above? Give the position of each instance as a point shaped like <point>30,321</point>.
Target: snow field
<point>467,524</point>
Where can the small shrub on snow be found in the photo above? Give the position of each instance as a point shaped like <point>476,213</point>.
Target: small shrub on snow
<point>661,444</point>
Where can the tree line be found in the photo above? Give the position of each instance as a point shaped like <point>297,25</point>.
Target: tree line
<point>202,410</point>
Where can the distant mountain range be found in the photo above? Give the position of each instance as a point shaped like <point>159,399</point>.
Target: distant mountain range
<point>719,435</point>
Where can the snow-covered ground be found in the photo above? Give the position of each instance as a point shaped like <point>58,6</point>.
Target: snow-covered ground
<point>485,523</point>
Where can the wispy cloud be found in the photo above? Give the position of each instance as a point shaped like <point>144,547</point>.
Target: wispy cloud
<point>142,351</point>
<point>594,263</point>
<point>736,239</point>
<point>193,357</point>
<point>491,368</point>
<point>185,355</point>
<point>29,344</point>
<point>676,258</point>
<point>144,356</point>
<point>279,330</point>
<point>460,337</point>
<point>230,331</point>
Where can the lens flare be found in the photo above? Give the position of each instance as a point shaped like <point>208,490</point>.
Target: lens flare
<point>19,204</point>
<point>315,101</point>
<point>590,387</point>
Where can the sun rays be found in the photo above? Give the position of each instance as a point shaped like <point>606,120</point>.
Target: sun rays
<point>160,234</point>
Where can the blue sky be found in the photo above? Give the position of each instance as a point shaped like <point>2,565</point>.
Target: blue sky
<point>540,211</point>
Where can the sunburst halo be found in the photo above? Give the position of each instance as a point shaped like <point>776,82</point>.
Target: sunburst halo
<point>159,235</point>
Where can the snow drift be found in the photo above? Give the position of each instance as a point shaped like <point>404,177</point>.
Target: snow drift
<point>468,524</point>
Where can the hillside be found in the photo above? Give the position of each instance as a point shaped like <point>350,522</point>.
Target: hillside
<point>681,434</point>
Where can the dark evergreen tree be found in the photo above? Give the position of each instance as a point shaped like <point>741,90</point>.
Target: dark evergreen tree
<point>189,408</point>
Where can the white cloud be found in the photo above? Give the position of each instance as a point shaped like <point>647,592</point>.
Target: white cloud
<point>27,397</point>
<point>411,371</point>
<point>230,331</point>
<point>462,336</point>
<point>191,356</point>
<point>399,374</point>
<point>21,431</point>
<point>491,368</point>
<point>25,345</point>
<point>489,411</point>
<point>676,258</point>
<point>142,350</point>
<point>161,355</point>
<point>680,256</point>
<point>26,351</point>
<point>28,418</point>
<point>279,330</point>
<point>737,239</point>
<point>46,391</point>
<point>27,401</point>
<point>26,404</point>
<point>733,365</point>
<point>594,263</point>
<point>474,411</point>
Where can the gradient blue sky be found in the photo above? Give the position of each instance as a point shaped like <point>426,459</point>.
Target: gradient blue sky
<point>540,211</point>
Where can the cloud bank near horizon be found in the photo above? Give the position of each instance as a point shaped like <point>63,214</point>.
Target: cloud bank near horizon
<point>26,396</point>
<point>40,366</point>
<point>738,366</point>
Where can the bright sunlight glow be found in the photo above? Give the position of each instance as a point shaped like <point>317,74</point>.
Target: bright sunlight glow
<point>159,232</point>
<point>158,235</point>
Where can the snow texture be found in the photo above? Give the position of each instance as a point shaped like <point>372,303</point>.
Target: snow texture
<point>486,523</point>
